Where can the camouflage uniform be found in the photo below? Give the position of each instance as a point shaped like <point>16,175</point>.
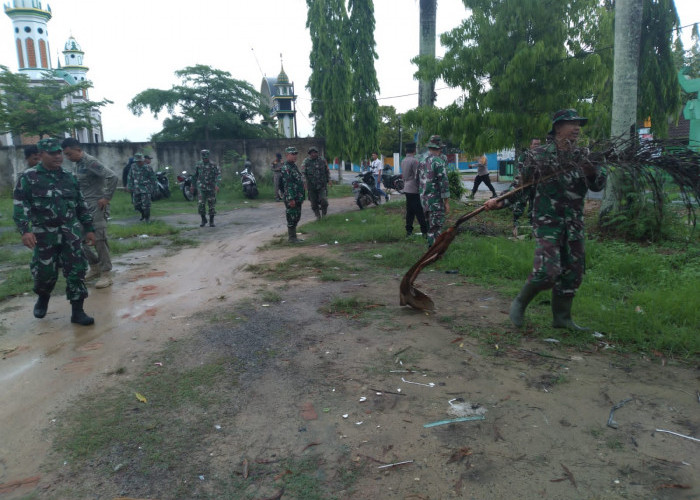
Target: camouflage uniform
<point>96,182</point>
<point>434,190</point>
<point>141,180</point>
<point>317,178</point>
<point>49,204</point>
<point>206,178</point>
<point>292,187</point>
<point>557,216</point>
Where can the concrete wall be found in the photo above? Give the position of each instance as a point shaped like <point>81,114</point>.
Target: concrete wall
<point>178,155</point>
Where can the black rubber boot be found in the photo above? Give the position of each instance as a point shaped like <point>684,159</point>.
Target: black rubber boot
<point>147,215</point>
<point>41,306</point>
<point>520,303</point>
<point>211,221</point>
<point>317,213</point>
<point>78,316</point>
<point>324,211</point>
<point>143,216</point>
<point>561,313</point>
<point>204,220</point>
<point>292,231</point>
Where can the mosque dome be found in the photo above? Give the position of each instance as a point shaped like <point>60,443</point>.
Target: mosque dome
<point>282,78</point>
<point>72,44</point>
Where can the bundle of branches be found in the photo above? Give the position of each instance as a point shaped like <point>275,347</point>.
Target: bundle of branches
<point>634,169</point>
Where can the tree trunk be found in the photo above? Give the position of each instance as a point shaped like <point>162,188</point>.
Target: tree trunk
<point>628,29</point>
<point>427,26</point>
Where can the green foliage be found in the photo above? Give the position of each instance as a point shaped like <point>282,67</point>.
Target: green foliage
<point>456,187</point>
<point>36,110</point>
<point>329,83</point>
<point>393,131</point>
<point>207,104</point>
<point>364,84</point>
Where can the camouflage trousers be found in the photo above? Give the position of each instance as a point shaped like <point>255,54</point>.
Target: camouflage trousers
<point>318,199</point>
<point>293,214</point>
<point>204,198</point>
<point>142,202</point>
<point>100,255</point>
<point>59,246</point>
<point>436,219</point>
<point>559,265</point>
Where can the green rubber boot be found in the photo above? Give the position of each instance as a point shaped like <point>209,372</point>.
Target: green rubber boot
<point>520,303</point>
<point>561,313</point>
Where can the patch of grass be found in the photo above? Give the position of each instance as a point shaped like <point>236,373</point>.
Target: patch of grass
<point>153,228</point>
<point>15,282</point>
<point>299,266</point>
<point>614,444</point>
<point>177,242</point>
<point>348,306</point>
<point>8,256</point>
<point>270,296</point>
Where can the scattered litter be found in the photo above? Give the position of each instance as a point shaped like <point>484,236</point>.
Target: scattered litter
<point>346,415</point>
<point>465,408</point>
<point>326,410</point>
<point>639,310</point>
<point>395,464</point>
<point>551,341</point>
<point>611,422</point>
<point>265,305</point>
<point>455,420</point>
<point>144,236</point>
<point>360,422</point>
<point>679,435</point>
<point>140,397</point>
<point>363,399</point>
<point>217,427</point>
<point>201,477</point>
<point>598,335</point>
<point>347,220</point>
<point>158,363</point>
<point>377,256</point>
<point>335,242</point>
<point>431,384</point>
<point>452,271</point>
<point>177,317</point>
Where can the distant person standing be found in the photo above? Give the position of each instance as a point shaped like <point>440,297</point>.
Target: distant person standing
<point>318,177</point>
<point>97,183</point>
<point>140,183</point>
<point>276,167</point>
<point>125,171</point>
<point>51,215</point>
<point>31,156</point>
<point>414,210</point>
<point>482,175</point>
<point>434,188</point>
<point>206,180</point>
<point>376,167</point>
<point>292,186</point>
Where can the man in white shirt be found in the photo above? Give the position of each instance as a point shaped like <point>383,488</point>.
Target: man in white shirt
<point>376,167</point>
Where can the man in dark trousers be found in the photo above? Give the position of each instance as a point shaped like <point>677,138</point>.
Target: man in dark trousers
<point>414,209</point>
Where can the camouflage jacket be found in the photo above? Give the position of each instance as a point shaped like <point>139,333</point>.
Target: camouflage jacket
<point>96,181</point>
<point>207,176</point>
<point>142,179</point>
<point>316,172</point>
<point>434,186</point>
<point>557,206</point>
<point>48,199</point>
<point>292,183</point>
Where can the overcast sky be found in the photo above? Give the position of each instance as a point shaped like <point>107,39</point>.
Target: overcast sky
<point>132,45</point>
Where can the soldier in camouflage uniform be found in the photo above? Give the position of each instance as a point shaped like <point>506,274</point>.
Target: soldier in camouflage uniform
<point>557,217</point>
<point>206,179</point>
<point>434,188</point>
<point>51,214</point>
<point>318,177</point>
<point>140,183</point>
<point>292,187</point>
<point>97,184</point>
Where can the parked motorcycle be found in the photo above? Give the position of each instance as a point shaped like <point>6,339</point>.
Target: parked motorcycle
<point>185,181</point>
<point>364,191</point>
<point>250,186</point>
<point>162,188</point>
<point>390,181</point>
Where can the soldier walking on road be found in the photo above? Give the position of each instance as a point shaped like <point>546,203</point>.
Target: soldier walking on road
<point>292,186</point>
<point>51,215</point>
<point>557,217</point>
<point>318,177</point>
<point>97,184</point>
<point>206,179</point>
<point>276,167</point>
<point>140,183</point>
<point>434,188</point>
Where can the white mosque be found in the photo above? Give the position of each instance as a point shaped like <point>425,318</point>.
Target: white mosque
<point>29,23</point>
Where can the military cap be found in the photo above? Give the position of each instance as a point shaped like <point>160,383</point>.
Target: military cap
<point>50,144</point>
<point>567,115</point>
<point>148,157</point>
<point>313,148</point>
<point>434,142</point>
<point>291,150</point>
<point>204,153</point>
<point>138,157</point>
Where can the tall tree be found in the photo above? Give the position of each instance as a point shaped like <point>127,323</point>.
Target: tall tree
<point>207,104</point>
<point>44,109</point>
<point>329,83</point>
<point>426,48</point>
<point>364,86</point>
<point>393,131</point>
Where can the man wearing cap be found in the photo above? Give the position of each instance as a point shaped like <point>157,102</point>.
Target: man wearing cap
<point>206,179</point>
<point>557,216</point>
<point>434,188</point>
<point>276,167</point>
<point>97,183</point>
<point>140,183</point>
<point>292,187</point>
<point>318,177</point>
<point>51,214</point>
